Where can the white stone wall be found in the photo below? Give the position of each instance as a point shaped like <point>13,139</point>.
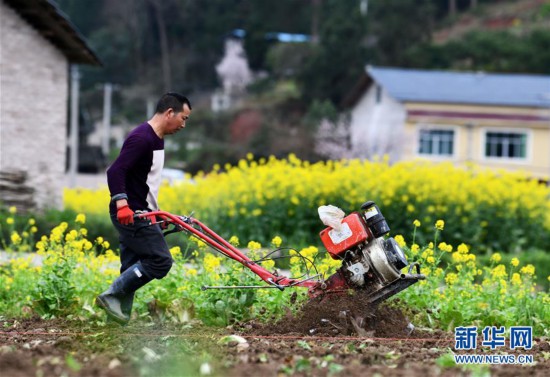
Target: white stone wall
<point>33,107</point>
<point>377,127</point>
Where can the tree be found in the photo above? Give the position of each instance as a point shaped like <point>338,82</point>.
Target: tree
<point>158,10</point>
<point>397,25</point>
<point>336,62</point>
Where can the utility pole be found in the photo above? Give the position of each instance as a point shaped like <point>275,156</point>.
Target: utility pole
<point>315,15</point>
<point>150,108</point>
<point>73,138</point>
<point>107,100</point>
<point>364,7</point>
<point>452,8</point>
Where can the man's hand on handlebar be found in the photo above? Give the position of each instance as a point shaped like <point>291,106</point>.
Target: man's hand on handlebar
<point>124,213</point>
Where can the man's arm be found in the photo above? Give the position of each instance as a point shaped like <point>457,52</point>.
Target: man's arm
<point>132,150</point>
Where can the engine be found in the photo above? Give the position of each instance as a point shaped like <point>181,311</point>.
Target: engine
<point>369,261</point>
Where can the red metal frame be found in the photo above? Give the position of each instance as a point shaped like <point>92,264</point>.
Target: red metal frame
<point>217,242</point>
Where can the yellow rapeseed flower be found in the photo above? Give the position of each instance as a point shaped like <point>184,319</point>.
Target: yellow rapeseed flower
<point>211,262</point>
<point>277,241</point>
<point>462,248</point>
<point>416,223</point>
<point>81,218</point>
<point>268,264</point>
<point>200,243</point>
<point>444,247</point>
<point>32,221</point>
<point>400,240</point>
<point>309,252</point>
<point>175,251</point>
<point>451,278</point>
<point>234,240</point>
<point>15,238</point>
<point>9,220</point>
<point>12,210</point>
<point>440,224</point>
<point>496,258</point>
<point>192,272</point>
<point>499,271</point>
<point>528,270</point>
<point>253,245</point>
<point>483,305</point>
<point>516,279</point>
<point>514,262</point>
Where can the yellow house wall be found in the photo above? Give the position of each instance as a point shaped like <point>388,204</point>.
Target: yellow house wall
<point>469,136</point>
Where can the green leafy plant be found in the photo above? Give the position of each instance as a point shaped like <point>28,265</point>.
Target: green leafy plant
<point>55,294</point>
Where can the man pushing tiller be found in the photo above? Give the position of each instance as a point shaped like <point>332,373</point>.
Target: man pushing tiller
<point>371,262</point>
<point>134,180</point>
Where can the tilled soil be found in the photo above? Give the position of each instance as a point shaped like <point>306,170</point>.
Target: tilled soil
<point>317,341</point>
<point>348,336</point>
<point>347,314</point>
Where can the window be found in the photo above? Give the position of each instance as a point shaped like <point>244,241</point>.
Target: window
<point>436,142</point>
<point>506,145</point>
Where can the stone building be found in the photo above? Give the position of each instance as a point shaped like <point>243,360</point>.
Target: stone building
<point>38,43</point>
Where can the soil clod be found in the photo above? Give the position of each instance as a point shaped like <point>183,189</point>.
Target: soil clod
<point>344,315</point>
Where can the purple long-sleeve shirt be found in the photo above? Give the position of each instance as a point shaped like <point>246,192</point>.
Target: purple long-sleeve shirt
<point>137,170</point>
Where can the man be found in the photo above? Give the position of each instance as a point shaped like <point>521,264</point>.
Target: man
<point>134,180</point>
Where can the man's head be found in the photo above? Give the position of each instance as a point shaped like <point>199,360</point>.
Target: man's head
<point>173,109</point>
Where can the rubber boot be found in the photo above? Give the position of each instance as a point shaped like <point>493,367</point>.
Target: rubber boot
<point>126,303</point>
<point>123,287</point>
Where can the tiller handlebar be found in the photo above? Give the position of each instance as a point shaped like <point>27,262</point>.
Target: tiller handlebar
<point>370,262</point>
<point>198,229</point>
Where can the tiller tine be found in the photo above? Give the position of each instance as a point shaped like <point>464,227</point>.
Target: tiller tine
<point>375,291</point>
<point>393,288</point>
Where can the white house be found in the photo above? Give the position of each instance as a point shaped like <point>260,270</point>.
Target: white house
<point>493,120</point>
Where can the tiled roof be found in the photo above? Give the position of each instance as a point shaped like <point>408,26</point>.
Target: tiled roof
<point>463,87</point>
<point>55,26</point>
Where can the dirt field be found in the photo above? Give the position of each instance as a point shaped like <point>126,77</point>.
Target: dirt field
<point>324,340</point>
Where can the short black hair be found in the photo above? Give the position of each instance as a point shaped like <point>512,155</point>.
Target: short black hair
<point>171,100</point>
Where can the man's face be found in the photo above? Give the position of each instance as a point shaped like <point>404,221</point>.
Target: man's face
<point>176,121</point>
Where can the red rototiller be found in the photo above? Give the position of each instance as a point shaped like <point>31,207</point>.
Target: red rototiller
<point>370,262</point>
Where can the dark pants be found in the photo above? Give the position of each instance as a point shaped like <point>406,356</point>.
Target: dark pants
<point>145,244</point>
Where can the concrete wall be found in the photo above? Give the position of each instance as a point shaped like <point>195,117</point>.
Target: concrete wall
<point>376,127</point>
<point>33,107</point>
